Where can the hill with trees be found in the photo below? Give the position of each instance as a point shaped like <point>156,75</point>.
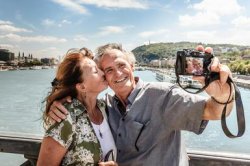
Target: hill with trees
<point>236,56</point>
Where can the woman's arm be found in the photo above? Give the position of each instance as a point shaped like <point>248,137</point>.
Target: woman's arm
<point>51,153</point>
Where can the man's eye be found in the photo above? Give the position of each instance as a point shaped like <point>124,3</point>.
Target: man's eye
<point>122,65</point>
<point>108,71</point>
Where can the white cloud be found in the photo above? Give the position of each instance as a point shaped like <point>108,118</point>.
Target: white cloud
<point>7,46</point>
<point>48,22</point>
<point>7,26</point>
<point>200,19</point>
<point>237,36</point>
<point>80,38</point>
<point>147,34</point>
<point>209,12</point>
<point>66,22</point>
<point>77,5</point>
<point>230,36</point>
<point>72,5</point>
<point>202,36</point>
<point>39,39</point>
<point>5,22</point>
<point>116,3</point>
<point>242,22</point>
<point>220,7</point>
<point>50,52</point>
<point>111,30</point>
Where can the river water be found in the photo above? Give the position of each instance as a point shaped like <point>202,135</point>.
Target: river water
<point>22,92</point>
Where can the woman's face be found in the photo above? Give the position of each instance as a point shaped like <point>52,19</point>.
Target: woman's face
<point>94,80</point>
<point>189,68</point>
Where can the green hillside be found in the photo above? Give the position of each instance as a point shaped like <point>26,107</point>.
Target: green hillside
<point>146,53</point>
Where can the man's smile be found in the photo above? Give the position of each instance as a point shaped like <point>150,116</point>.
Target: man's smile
<point>121,80</point>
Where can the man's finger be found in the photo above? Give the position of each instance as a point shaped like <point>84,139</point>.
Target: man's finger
<point>59,114</point>
<point>58,105</point>
<point>215,65</point>
<point>224,74</point>
<point>52,116</point>
<point>108,163</point>
<point>69,99</point>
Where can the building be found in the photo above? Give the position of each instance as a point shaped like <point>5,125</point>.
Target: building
<point>6,55</point>
<point>246,57</point>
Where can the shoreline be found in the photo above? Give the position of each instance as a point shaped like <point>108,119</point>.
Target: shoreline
<point>240,80</point>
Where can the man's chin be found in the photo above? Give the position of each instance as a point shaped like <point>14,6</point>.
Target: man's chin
<point>122,88</point>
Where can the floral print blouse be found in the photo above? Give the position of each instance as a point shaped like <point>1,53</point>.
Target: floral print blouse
<point>77,135</point>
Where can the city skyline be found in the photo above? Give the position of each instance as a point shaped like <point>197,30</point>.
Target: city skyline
<point>48,28</point>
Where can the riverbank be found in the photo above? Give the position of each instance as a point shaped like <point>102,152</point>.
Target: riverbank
<point>240,80</point>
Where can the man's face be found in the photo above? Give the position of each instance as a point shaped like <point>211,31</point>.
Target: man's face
<point>118,72</point>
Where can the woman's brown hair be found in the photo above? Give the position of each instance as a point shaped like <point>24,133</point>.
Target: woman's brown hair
<point>68,74</point>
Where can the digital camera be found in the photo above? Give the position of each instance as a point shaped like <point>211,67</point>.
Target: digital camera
<point>191,62</point>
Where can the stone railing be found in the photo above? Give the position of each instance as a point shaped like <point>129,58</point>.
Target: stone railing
<point>29,146</point>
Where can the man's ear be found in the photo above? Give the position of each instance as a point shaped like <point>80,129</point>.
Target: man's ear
<point>132,67</point>
<point>80,87</point>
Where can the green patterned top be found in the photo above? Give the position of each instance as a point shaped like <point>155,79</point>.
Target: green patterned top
<point>77,135</point>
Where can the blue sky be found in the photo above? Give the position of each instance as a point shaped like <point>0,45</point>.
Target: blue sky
<point>48,28</point>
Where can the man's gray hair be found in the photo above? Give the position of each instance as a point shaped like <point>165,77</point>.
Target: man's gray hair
<point>110,46</point>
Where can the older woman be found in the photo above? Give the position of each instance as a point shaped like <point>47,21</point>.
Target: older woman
<point>84,137</point>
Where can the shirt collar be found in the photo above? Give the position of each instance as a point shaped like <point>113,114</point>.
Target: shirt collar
<point>80,108</point>
<point>135,91</point>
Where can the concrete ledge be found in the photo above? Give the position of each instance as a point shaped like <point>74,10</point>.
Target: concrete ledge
<point>29,146</point>
<point>205,158</point>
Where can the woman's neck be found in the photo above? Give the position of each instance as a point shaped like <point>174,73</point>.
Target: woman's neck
<point>90,103</point>
<point>87,100</point>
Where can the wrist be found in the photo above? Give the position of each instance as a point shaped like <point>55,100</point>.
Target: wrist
<point>223,102</point>
<point>226,99</point>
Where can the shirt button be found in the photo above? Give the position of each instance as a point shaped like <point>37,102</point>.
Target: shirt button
<point>119,135</point>
<point>123,119</point>
<point>119,151</point>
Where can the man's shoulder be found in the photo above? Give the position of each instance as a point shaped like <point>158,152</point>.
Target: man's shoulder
<point>165,86</point>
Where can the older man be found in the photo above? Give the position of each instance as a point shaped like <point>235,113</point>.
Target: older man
<point>146,118</point>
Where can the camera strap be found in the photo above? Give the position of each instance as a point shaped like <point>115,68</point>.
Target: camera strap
<point>239,113</point>
<point>239,107</point>
<point>238,102</point>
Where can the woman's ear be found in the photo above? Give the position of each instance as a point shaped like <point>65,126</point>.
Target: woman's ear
<point>80,87</point>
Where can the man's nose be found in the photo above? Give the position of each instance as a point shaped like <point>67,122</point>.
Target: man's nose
<point>118,72</point>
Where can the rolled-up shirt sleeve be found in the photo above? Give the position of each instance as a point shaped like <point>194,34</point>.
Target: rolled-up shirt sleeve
<point>184,110</point>
<point>61,132</point>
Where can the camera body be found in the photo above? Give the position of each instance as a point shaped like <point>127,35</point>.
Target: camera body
<point>192,62</point>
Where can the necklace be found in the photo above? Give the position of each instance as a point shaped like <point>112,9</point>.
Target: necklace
<point>96,121</point>
<point>99,129</point>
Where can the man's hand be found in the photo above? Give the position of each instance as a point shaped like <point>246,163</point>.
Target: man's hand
<point>219,89</point>
<point>57,111</point>
<point>108,163</point>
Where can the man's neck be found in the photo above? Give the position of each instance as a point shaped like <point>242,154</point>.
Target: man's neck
<point>123,97</point>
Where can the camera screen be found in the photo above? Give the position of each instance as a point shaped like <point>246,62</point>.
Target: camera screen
<point>194,66</point>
